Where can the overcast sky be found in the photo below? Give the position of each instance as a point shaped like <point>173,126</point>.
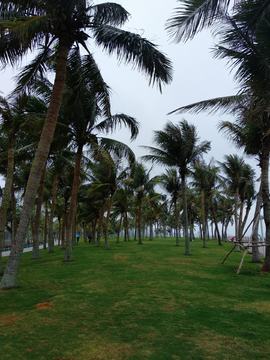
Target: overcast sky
<point>197,76</point>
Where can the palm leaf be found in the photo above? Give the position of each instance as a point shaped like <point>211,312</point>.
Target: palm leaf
<point>132,48</point>
<point>193,16</point>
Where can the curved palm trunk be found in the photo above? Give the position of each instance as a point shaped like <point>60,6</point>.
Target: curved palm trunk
<point>107,245</point>
<point>266,205</point>
<point>10,276</point>
<point>240,224</point>
<point>54,195</point>
<point>35,252</point>
<point>6,197</point>
<point>73,204</point>
<point>185,214</point>
<point>216,223</point>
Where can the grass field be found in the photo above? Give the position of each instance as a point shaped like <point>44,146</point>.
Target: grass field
<point>137,302</point>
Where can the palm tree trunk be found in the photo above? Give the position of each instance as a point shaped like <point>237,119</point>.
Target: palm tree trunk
<point>139,222</point>
<point>10,276</point>
<point>266,204</point>
<point>119,228</point>
<point>176,222</point>
<point>237,248</point>
<point>14,213</point>
<point>35,252</point>
<point>45,235</point>
<point>248,207</point>
<point>107,245</point>
<point>100,221</point>
<point>185,214</point>
<point>64,225</point>
<point>54,195</point>
<point>73,203</point>
<point>256,257</point>
<point>6,197</point>
<point>203,217</point>
<point>216,223</point>
<point>94,226</point>
<point>240,232</point>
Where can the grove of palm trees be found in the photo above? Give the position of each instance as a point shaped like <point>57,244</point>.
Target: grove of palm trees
<point>70,168</point>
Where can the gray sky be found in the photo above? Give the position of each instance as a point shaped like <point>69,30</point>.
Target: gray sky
<point>197,76</point>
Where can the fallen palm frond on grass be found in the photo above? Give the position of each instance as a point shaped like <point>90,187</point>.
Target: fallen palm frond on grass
<point>137,302</point>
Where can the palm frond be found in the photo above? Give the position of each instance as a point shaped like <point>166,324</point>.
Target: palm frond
<point>225,104</point>
<point>118,148</point>
<point>110,14</point>
<point>194,15</point>
<point>132,48</point>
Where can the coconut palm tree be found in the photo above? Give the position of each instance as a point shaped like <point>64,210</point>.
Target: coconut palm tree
<point>25,26</point>
<point>204,176</point>
<point>142,184</point>
<point>248,52</point>
<point>233,167</point>
<point>86,109</point>
<point>178,146</point>
<point>171,182</point>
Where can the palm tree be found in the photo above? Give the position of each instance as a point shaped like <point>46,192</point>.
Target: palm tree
<point>178,146</point>
<point>121,205</point>
<point>29,25</point>
<point>142,184</point>
<point>86,108</point>
<point>233,167</point>
<point>204,176</point>
<point>248,52</point>
<point>170,181</point>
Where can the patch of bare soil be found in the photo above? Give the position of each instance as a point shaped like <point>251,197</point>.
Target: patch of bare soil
<point>44,305</point>
<point>8,320</point>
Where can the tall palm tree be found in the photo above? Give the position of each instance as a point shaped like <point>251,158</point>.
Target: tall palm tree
<point>204,176</point>
<point>86,108</point>
<point>142,184</point>
<point>233,167</point>
<point>25,26</point>
<point>171,182</point>
<point>178,146</point>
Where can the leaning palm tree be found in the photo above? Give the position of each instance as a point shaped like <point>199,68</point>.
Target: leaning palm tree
<point>27,25</point>
<point>178,146</point>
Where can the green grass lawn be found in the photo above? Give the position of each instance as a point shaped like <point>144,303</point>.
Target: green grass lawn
<point>137,302</point>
